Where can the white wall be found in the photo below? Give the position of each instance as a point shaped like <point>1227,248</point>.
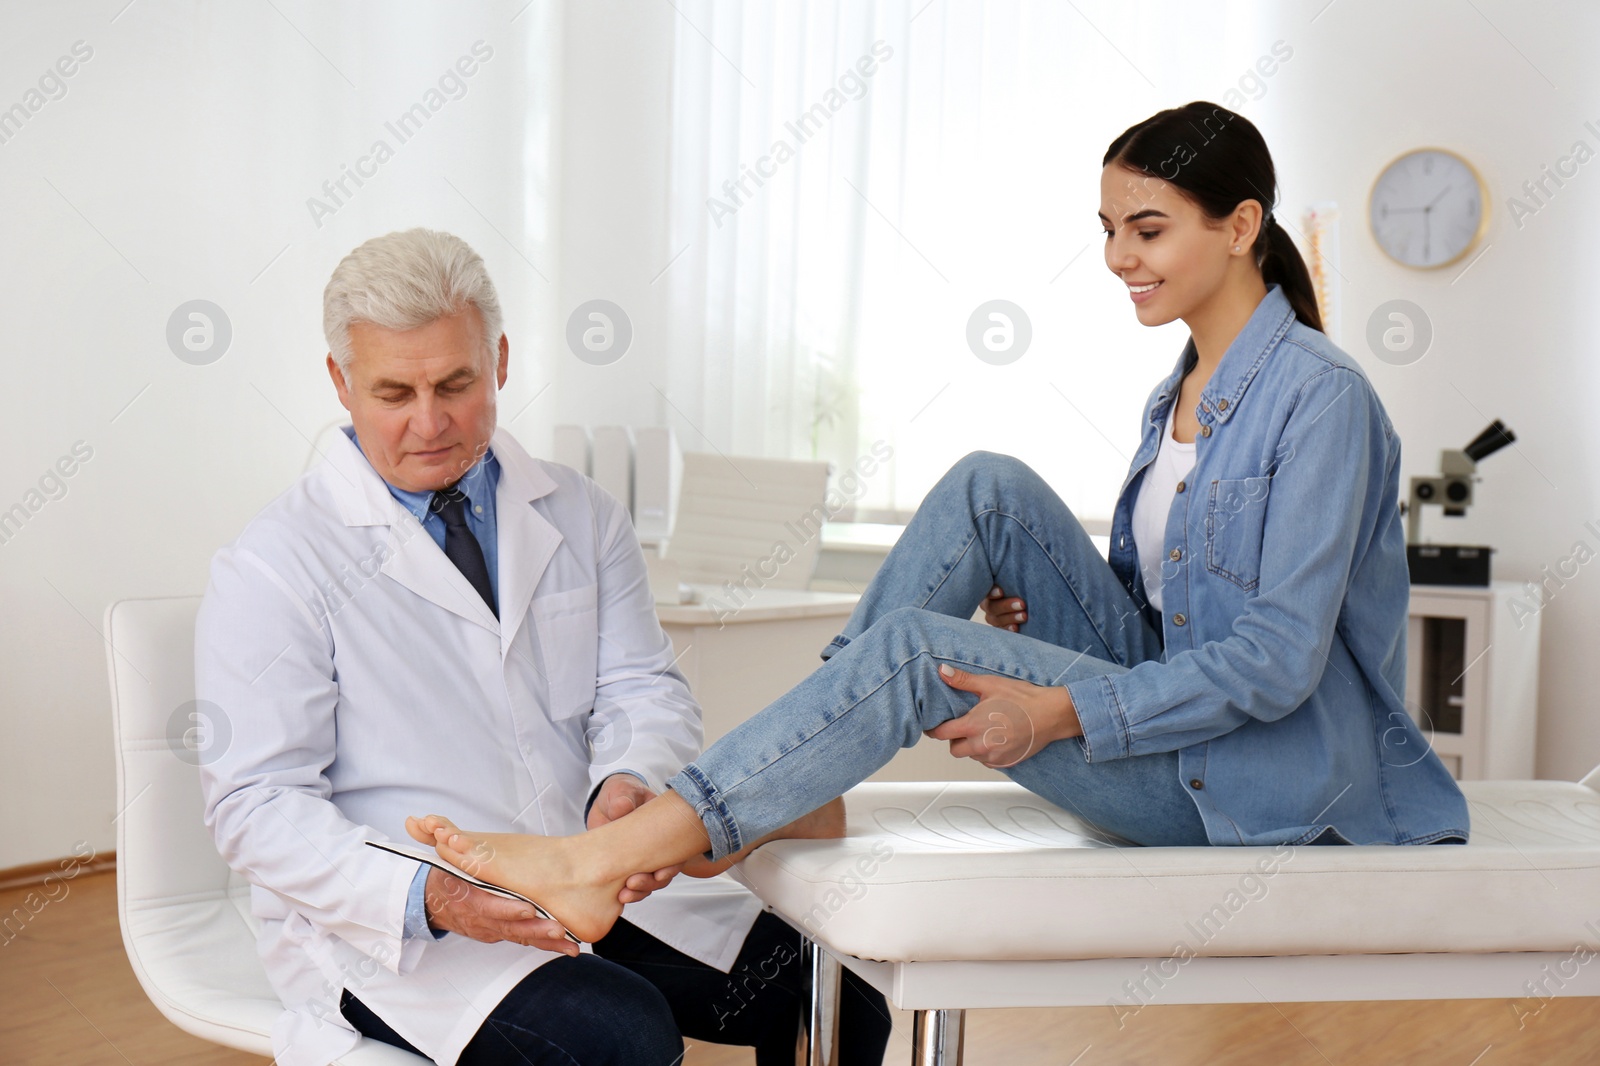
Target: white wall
<point>185,148</point>
<point>178,166</point>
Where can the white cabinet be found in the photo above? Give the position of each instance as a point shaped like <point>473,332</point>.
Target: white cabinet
<point>1472,677</point>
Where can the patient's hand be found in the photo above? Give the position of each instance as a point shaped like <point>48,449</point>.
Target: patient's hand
<point>1013,719</point>
<point>458,907</point>
<point>620,795</point>
<point>1004,612</point>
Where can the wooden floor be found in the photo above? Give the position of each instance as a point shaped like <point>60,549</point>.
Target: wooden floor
<point>70,999</point>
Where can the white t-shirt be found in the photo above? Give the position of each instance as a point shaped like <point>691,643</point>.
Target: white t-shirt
<point>1172,463</point>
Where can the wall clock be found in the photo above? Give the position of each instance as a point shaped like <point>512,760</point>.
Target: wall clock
<point>1426,208</point>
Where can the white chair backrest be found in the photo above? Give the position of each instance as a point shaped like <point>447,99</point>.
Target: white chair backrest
<point>736,512</point>
<point>163,849</point>
<point>174,893</point>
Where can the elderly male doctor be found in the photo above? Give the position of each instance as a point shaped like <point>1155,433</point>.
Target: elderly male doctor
<point>434,620</point>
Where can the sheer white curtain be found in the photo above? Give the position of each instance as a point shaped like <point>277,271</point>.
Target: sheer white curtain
<point>851,181</point>
<point>760,305</point>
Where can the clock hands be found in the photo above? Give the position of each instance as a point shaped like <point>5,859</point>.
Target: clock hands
<point>1426,182</point>
<point>1427,212</point>
<point>1426,207</point>
<point>1427,215</point>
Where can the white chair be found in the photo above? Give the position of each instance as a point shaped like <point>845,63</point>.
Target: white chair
<point>185,916</point>
<point>734,512</point>
<point>946,896</point>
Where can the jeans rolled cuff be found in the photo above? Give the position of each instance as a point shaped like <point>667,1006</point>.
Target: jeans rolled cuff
<point>696,789</point>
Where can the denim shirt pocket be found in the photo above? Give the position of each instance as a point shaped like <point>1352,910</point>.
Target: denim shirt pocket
<point>1235,517</point>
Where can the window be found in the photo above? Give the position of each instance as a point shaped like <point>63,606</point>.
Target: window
<point>856,180</point>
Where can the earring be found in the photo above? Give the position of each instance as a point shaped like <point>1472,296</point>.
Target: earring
<point>1236,247</point>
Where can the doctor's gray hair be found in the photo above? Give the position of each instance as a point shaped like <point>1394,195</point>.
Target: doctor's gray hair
<point>407,279</point>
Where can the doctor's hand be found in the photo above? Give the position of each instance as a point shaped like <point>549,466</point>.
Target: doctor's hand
<point>1012,720</point>
<point>620,795</point>
<point>1004,612</point>
<point>458,907</point>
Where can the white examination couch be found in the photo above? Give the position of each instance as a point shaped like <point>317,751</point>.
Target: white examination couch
<point>946,896</point>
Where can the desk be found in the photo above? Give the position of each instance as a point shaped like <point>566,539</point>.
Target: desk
<point>737,659</point>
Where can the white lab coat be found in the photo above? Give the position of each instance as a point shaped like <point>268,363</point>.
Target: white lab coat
<point>358,678</point>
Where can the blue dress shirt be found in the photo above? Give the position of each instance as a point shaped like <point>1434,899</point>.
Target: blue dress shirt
<point>479,484</point>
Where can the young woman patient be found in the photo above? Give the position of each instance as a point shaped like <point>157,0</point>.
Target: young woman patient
<point>1234,673</point>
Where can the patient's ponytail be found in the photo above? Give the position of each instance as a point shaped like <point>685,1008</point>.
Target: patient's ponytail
<point>1282,264</point>
<point>1218,159</point>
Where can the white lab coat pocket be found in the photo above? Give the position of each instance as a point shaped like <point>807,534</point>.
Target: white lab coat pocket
<point>568,625</point>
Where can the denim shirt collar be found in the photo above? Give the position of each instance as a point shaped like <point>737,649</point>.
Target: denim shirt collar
<point>1219,400</point>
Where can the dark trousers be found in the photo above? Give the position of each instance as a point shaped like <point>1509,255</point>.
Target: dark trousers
<point>635,998</point>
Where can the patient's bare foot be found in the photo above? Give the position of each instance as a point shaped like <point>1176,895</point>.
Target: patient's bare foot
<point>824,823</point>
<point>579,879</point>
<point>552,871</point>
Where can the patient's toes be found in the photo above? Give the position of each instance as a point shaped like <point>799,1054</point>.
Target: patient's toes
<point>456,856</point>
<point>418,830</point>
<point>463,843</point>
<point>467,850</point>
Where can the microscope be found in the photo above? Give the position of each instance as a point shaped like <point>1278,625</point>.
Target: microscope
<point>1451,564</point>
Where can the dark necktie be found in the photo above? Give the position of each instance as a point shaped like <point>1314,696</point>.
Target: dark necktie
<point>460,546</point>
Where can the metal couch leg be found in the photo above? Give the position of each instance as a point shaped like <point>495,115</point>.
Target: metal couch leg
<point>936,1037</point>
<point>818,1041</point>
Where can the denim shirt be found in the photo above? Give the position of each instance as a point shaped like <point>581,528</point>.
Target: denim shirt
<point>1285,594</point>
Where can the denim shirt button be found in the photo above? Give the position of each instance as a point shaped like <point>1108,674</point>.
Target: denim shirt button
<point>1205,431</point>
<point>1222,405</point>
<point>1178,619</point>
<point>1196,783</point>
<point>1175,554</point>
<point>1182,485</point>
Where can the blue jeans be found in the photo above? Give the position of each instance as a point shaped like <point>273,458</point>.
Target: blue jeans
<point>989,521</point>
